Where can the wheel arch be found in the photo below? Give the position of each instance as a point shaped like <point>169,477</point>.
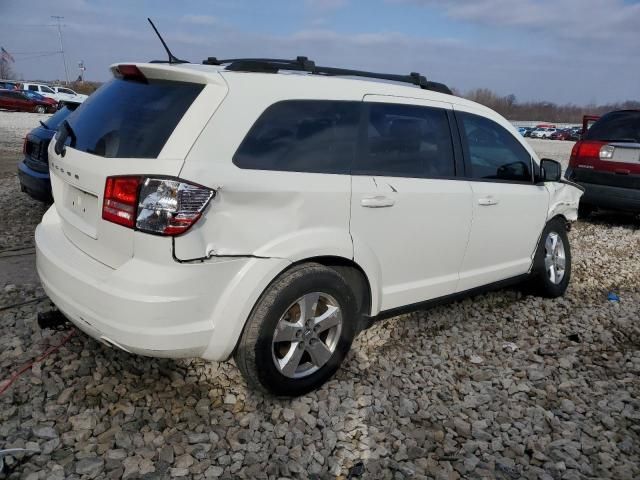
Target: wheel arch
<point>353,273</point>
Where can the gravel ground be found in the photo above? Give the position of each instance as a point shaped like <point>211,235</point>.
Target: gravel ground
<point>499,386</point>
<point>13,127</point>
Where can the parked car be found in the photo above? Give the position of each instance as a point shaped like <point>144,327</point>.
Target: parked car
<point>606,162</point>
<point>33,170</point>
<point>7,85</point>
<point>44,90</point>
<point>240,221</point>
<point>564,134</point>
<point>543,132</point>
<point>525,131</point>
<point>67,95</point>
<point>36,96</point>
<point>18,101</point>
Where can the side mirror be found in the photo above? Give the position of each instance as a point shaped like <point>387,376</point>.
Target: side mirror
<point>550,170</point>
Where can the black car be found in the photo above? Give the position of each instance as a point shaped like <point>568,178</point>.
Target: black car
<point>33,171</point>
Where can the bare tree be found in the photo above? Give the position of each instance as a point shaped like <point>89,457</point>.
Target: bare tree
<point>509,107</point>
<point>6,72</point>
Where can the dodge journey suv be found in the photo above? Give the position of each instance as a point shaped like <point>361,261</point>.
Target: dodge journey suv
<point>270,210</point>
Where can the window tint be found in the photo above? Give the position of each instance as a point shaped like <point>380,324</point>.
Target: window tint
<point>130,119</point>
<point>46,89</point>
<point>493,152</point>
<point>616,126</point>
<point>407,141</point>
<point>302,136</point>
<point>33,88</point>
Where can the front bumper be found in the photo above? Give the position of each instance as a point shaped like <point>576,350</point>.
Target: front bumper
<point>36,184</point>
<point>163,309</point>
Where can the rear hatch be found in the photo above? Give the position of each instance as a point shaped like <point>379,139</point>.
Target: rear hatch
<point>609,153</point>
<point>142,122</point>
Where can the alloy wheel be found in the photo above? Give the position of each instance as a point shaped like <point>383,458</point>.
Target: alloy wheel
<point>555,258</point>
<point>307,335</point>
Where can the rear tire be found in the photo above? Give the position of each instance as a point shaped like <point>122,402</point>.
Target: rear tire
<point>552,262</point>
<point>299,331</point>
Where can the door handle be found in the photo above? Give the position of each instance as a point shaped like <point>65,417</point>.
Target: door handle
<point>487,201</point>
<point>379,201</point>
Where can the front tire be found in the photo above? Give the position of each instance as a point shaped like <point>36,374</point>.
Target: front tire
<point>40,109</point>
<point>299,331</point>
<point>552,262</point>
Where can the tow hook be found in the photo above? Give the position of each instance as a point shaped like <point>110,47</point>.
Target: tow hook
<point>52,320</point>
<point>568,225</point>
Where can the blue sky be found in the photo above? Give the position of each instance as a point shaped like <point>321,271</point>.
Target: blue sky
<point>579,51</point>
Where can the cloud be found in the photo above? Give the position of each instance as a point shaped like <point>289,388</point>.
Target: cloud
<point>571,20</point>
<point>199,19</point>
<point>326,5</point>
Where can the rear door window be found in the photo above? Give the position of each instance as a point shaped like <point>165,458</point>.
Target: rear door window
<point>616,127</point>
<point>406,141</point>
<point>128,119</point>
<point>314,136</point>
<point>493,152</point>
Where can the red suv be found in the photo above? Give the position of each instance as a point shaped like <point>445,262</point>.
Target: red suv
<point>606,162</point>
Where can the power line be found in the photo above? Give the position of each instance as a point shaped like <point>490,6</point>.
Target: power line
<point>28,25</point>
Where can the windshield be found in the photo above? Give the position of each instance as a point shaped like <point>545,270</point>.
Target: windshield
<point>54,121</point>
<point>129,119</point>
<point>616,127</point>
<point>46,89</point>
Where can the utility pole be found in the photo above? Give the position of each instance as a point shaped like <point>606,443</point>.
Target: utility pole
<point>64,60</point>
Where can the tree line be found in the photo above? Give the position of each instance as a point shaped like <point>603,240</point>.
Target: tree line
<point>509,107</point>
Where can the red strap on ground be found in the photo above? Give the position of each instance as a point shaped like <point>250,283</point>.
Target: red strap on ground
<point>48,352</point>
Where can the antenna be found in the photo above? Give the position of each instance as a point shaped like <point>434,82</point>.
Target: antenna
<point>172,57</point>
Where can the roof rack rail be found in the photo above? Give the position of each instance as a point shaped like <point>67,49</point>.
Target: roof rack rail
<point>303,64</point>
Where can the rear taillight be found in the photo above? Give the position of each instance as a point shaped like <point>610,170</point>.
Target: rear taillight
<point>606,152</point>
<point>24,146</point>
<point>164,206</point>
<point>121,200</point>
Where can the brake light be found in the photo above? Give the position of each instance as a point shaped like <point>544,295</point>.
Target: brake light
<point>164,206</point>
<point>589,150</point>
<point>121,200</point>
<point>24,146</point>
<point>130,72</point>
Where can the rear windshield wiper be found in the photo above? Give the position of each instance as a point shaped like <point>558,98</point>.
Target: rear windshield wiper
<point>44,125</point>
<point>64,131</point>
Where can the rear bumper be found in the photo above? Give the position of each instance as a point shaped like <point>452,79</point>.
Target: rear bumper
<point>616,198</point>
<point>163,309</point>
<point>36,184</point>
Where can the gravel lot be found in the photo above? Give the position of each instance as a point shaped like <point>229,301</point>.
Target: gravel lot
<point>499,386</point>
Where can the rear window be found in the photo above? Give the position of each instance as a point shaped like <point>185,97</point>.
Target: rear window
<point>616,127</point>
<point>127,119</point>
<point>54,121</point>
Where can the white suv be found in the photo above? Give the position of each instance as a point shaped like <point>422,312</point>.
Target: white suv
<point>543,132</point>
<point>67,95</point>
<point>44,90</point>
<point>246,209</point>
